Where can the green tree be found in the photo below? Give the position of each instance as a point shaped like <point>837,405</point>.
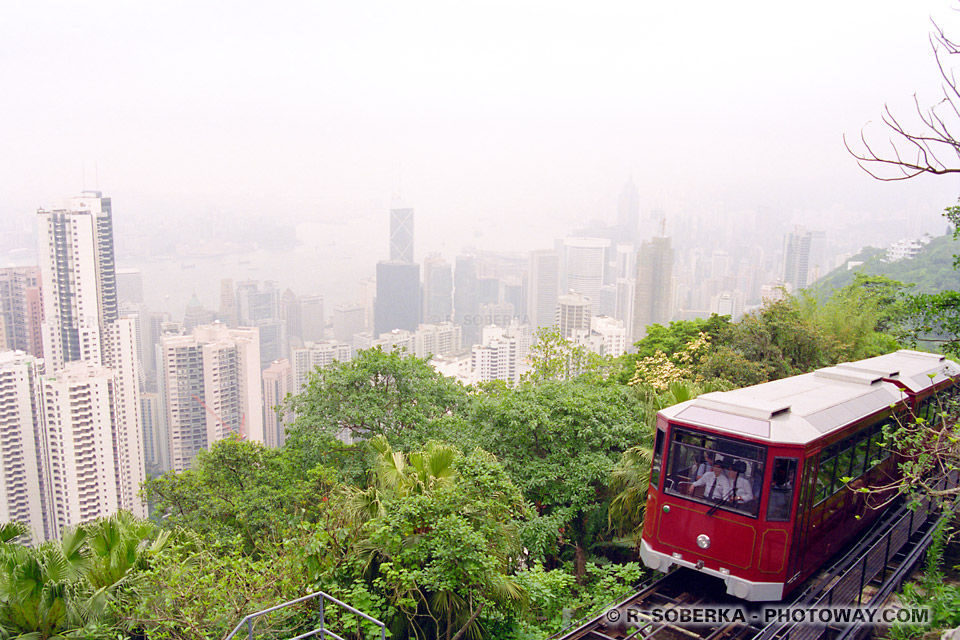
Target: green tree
<point>559,442</point>
<point>383,393</point>
<point>445,544</point>
<point>242,488</point>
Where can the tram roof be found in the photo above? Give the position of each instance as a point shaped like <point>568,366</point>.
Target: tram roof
<point>803,408</point>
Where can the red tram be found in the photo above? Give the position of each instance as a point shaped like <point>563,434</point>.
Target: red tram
<point>746,485</point>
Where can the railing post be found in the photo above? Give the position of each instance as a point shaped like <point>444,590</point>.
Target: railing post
<point>323,633</point>
<point>249,628</point>
<point>886,556</point>
<point>863,575</point>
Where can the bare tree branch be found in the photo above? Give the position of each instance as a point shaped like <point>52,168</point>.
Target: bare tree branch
<point>930,146</point>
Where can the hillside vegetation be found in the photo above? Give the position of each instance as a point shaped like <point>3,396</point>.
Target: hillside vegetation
<point>930,272</point>
<point>496,511</point>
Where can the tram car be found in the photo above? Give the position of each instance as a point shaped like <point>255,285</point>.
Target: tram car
<point>747,485</point>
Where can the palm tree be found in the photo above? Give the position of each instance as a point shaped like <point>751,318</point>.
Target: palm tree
<point>39,586</point>
<point>631,478</point>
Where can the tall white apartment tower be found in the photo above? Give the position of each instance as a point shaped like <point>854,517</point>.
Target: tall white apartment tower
<point>79,280</point>
<point>209,385</point>
<point>544,283</point>
<point>277,384</point>
<point>23,485</point>
<point>82,324</point>
<point>90,469</point>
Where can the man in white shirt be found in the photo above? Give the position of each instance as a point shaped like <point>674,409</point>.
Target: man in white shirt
<point>715,483</point>
<point>744,492</point>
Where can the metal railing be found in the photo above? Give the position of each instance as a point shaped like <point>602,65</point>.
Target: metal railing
<point>321,632</point>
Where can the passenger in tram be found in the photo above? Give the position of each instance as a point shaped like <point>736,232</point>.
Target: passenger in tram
<point>741,491</point>
<point>706,464</point>
<point>714,482</point>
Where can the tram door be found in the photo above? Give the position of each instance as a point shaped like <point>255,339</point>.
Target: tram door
<point>802,518</point>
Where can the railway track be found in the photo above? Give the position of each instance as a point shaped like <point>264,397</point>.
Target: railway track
<point>870,571</point>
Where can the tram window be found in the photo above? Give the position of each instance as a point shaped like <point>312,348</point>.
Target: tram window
<point>860,451</point>
<point>715,470</point>
<point>877,450</point>
<point>657,456</point>
<point>781,489</point>
<point>828,459</point>
<point>843,464</point>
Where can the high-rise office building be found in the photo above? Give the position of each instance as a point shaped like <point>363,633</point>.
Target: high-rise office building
<point>654,287</point>
<point>209,389</point>
<point>437,290</point>
<point>228,304</point>
<point>23,473</point>
<point>628,211</point>
<point>466,300</point>
<point>129,286</point>
<point>277,384</point>
<point>398,297</point>
<point>291,313</point>
<point>544,287</point>
<point>258,305</point>
<point>626,293</point>
<point>584,261</point>
<point>348,319</point>
<point>196,315</point>
<point>401,234</point>
<point>573,313</point>
<point>313,319</point>
<point>796,258</point>
<point>21,310</point>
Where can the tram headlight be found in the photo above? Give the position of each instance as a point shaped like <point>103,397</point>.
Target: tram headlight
<point>703,541</point>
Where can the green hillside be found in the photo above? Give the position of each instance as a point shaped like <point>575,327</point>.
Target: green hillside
<point>932,271</point>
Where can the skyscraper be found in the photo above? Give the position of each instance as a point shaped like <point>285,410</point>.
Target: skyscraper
<point>21,310</point>
<point>79,279</point>
<point>544,287</point>
<point>312,318</point>
<point>437,290</point>
<point>348,319</point>
<point>401,234</point>
<point>129,286</point>
<point>277,383</point>
<point>398,297</point>
<point>258,305</point>
<point>654,287</point>
<point>466,301</point>
<point>796,258</point>
<point>82,325</point>
<point>91,470</point>
<point>307,358</point>
<point>573,313</point>
<point>209,389</point>
<point>628,211</point>
<point>584,264</point>
<point>228,304</point>
<point>23,479</point>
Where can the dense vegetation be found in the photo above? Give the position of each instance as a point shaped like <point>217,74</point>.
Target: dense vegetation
<point>501,511</point>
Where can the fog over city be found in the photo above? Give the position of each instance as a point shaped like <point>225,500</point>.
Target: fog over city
<point>238,140</point>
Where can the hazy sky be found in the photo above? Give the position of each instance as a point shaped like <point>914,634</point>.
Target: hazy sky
<point>483,113</point>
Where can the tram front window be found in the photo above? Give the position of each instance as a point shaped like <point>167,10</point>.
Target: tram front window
<point>715,470</point>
